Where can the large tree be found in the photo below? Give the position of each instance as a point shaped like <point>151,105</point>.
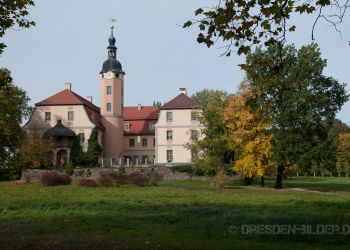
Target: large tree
<point>210,149</point>
<point>14,13</point>
<point>13,109</point>
<point>246,23</point>
<point>302,100</point>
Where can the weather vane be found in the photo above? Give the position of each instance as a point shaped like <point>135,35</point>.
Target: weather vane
<point>113,20</point>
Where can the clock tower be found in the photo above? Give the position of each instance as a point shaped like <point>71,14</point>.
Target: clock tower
<point>112,103</point>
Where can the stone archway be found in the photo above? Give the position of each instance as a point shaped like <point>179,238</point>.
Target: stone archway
<point>61,158</point>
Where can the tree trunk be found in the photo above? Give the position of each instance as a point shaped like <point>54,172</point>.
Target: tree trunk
<point>347,174</point>
<point>262,181</point>
<point>314,174</point>
<point>279,177</point>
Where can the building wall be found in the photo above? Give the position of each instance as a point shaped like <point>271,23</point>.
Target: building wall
<point>80,124</point>
<point>138,150</point>
<point>181,127</point>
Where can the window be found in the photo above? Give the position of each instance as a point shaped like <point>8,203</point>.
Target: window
<point>154,141</point>
<point>109,107</point>
<point>194,135</point>
<point>114,161</point>
<point>169,155</point>
<point>150,126</point>
<point>127,127</point>
<point>82,137</point>
<point>169,116</point>
<point>47,116</point>
<point>131,142</point>
<point>144,142</point>
<point>109,90</point>
<point>70,115</point>
<point>194,116</point>
<point>169,135</point>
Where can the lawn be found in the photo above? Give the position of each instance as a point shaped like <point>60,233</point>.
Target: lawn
<point>173,215</point>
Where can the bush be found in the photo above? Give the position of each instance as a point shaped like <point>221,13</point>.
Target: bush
<point>220,178</point>
<point>69,168</point>
<point>105,179</point>
<point>87,183</point>
<point>153,177</point>
<point>189,169</point>
<point>54,178</point>
<point>137,178</point>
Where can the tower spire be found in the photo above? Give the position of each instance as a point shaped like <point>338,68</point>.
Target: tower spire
<point>112,49</point>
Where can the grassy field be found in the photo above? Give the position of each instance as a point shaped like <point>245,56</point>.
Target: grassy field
<point>173,215</point>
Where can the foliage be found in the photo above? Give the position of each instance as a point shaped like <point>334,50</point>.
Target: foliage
<point>76,152</point>
<point>14,13</point>
<point>69,168</point>
<point>301,100</point>
<point>343,154</point>
<point>210,151</point>
<point>189,169</point>
<point>35,151</point>
<point>13,108</point>
<point>249,133</point>
<point>94,149</point>
<point>87,183</point>
<point>105,179</point>
<point>137,178</point>
<point>153,177</point>
<point>8,174</point>
<point>338,127</point>
<point>157,104</point>
<point>220,178</point>
<point>54,178</point>
<point>247,23</point>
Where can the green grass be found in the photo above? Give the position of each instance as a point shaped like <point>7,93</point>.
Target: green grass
<point>173,215</point>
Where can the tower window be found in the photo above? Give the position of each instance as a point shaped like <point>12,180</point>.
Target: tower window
<point>109,90</point>
<point>47,116</point>
<point>109,107</point>
<point>70,115</point>
<point>169,116</point>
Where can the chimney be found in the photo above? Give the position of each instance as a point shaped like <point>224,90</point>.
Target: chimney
<point>139,107</point>
<point>89,98</point>
<point>182,91</point>
<point>68,86</point>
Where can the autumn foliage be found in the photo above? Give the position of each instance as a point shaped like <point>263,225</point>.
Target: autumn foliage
<point>343,154</point>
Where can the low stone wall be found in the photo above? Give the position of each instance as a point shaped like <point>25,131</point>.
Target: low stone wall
<point>167,173</point>
<point>33,175</point>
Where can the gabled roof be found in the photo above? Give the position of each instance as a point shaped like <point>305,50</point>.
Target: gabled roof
<point>182,101</point>
<point>145,113</point>
<point>67,97</point>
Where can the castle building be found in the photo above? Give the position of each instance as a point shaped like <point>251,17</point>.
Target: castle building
<point>138,135</point>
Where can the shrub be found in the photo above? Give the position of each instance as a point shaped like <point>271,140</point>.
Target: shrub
<point>69,168</point>
<point>105,179</point>
<point>153,177</point>
<point>54,178</point>
<point>220,178</point>
<point>87,183</point>
<point>137,178</point>
<point>189,169</point>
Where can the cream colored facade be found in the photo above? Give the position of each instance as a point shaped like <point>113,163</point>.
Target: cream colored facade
<point>181,128</point>
<point>81,123</point>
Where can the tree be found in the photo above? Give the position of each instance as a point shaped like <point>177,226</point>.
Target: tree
<point>157,104</point>
<point>13,109</point>
<point>246,23</point>
<point>94,148</point>
<point>303,102</point>
<point>35,151</point>
<point>249,134</point>
<point>210,149</point>
<point>76,153</point>
<point>343,154</point>
<point>12,13</point>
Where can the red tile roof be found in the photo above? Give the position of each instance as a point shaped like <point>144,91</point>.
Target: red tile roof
<point>145,113</point>
<point>67,97</point>
<point>138,127</point>
<point>182,101</point>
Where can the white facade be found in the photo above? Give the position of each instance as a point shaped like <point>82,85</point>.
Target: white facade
<point>173,135</point>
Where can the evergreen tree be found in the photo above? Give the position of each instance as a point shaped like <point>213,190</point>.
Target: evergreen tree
<point>76,153</point>
<point>94,149</point>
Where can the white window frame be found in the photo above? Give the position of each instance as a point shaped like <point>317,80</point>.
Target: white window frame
<point>169,116</point>
<point>70,116</point>
<point>169,135</point>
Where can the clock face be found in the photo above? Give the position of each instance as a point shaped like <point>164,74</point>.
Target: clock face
<point>109,75</point>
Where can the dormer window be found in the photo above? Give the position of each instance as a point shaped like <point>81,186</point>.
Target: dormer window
<point>127,127</point>
<point>151,126</point>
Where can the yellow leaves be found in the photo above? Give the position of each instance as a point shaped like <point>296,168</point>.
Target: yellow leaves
<point>249,134</point>
<point>343,152</point>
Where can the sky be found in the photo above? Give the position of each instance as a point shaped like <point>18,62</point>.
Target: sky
<point>68,44</point>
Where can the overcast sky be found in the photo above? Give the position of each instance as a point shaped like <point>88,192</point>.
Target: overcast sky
<point>69,44</point>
